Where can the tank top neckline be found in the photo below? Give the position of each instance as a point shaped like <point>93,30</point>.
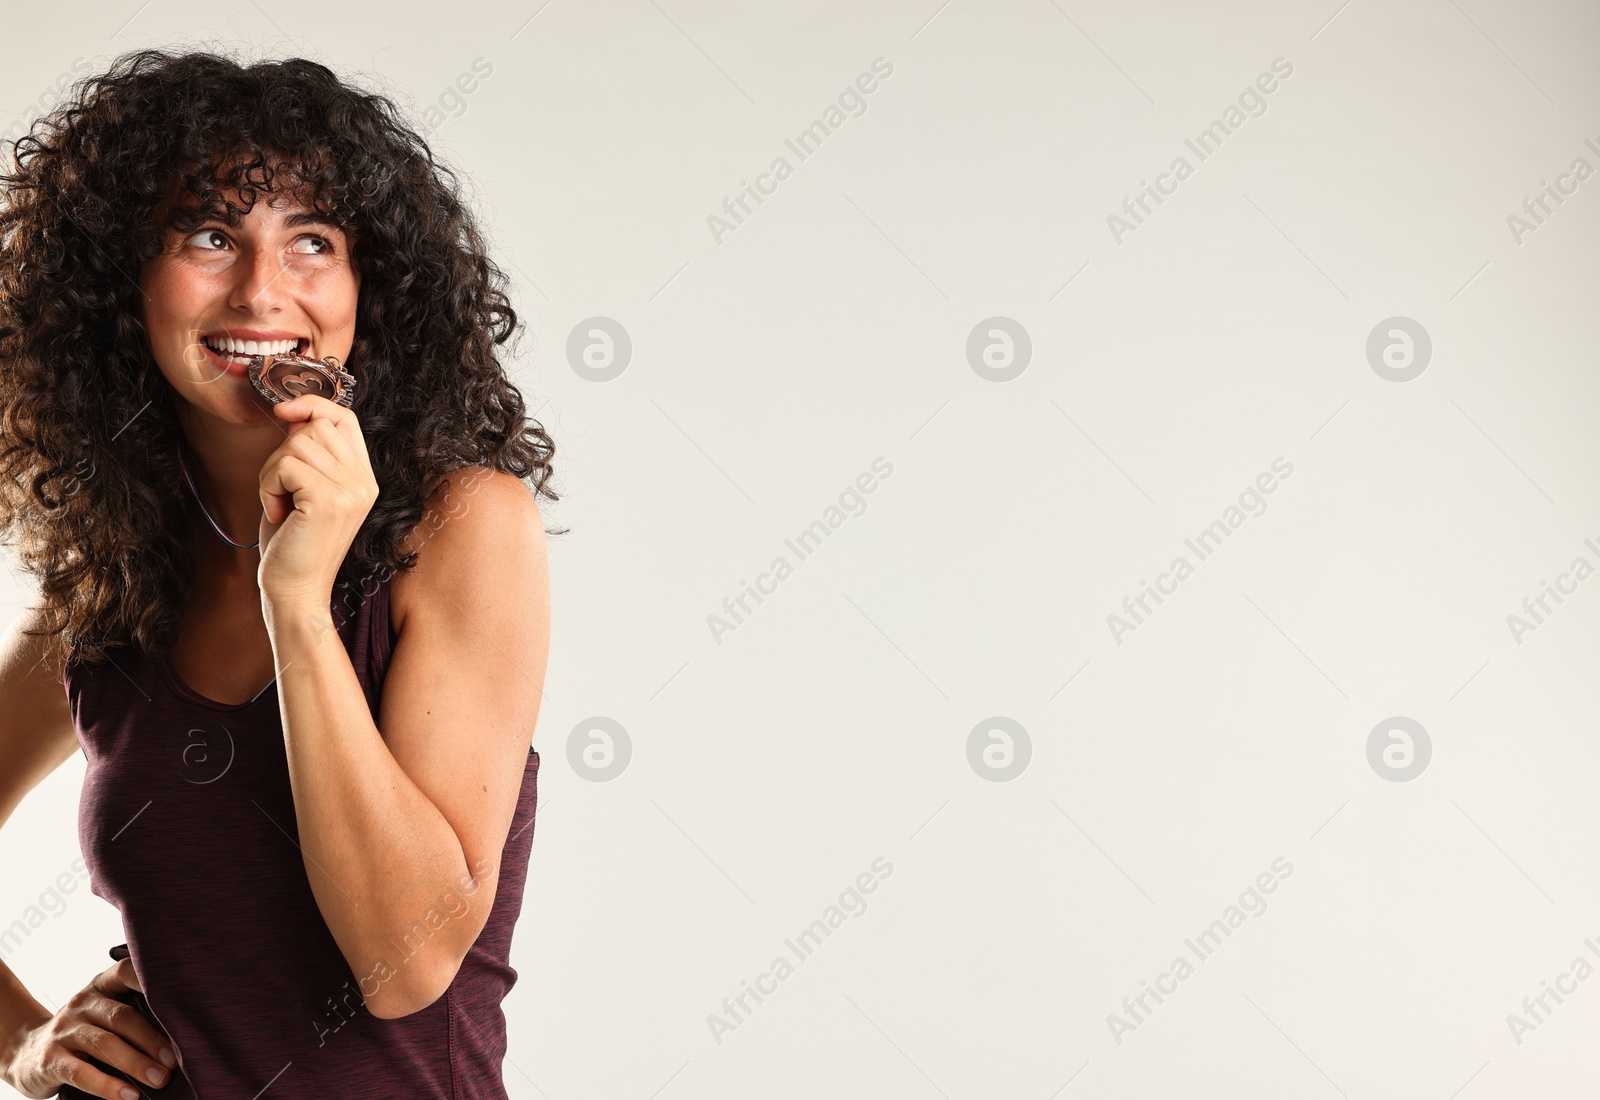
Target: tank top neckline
<point>176,682</point>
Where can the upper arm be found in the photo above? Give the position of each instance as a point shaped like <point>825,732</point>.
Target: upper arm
<point>36,731</point>
<point>462,691</point>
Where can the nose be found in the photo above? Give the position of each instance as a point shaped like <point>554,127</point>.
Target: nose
<point>259,286</point>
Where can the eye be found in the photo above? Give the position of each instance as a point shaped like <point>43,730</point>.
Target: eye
<point>315,245</point>
<point>210,240</point>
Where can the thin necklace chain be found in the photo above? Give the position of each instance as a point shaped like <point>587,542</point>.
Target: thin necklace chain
<point>236,545</point>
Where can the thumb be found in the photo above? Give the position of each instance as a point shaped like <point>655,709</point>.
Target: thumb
<point>266,529</point>
<point>275,508</point>
<point>122,974</point>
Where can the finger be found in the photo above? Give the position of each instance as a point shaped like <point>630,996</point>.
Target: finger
<point>313,450</point>
<point>327,449</point>
<point>110,1048</point>
<point>310,406</point>
<point>128,1023</point>
<point>326,431</point>
<point>117,979</point>
<point>337,431</point>
<point>71,1070</point>
<point>298,413</point>
<point>292,474</point>
<point>287,476</point>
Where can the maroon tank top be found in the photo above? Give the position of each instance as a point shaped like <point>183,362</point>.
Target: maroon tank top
<point>187,826</point>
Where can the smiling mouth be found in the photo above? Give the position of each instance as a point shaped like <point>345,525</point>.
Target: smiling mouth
<point>242,352</point>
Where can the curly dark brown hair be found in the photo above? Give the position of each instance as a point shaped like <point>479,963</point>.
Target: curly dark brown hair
<point>91,492</point>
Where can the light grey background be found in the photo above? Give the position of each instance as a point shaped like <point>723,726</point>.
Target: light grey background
<point>1169,768</point>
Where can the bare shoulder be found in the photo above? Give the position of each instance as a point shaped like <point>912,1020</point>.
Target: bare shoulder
<point>33,660</point>
<point>481,532</point>
<point>36,729</point>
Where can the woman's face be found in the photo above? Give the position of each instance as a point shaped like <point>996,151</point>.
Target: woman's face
<point>279,280</point>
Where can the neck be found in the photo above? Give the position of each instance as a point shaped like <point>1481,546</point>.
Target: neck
<point>225,463</point>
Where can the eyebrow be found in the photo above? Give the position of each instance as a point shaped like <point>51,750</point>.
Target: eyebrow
<point>292,221</point>
<point>310,217</point>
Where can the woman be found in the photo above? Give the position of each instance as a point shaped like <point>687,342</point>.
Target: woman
<point>301,645</point>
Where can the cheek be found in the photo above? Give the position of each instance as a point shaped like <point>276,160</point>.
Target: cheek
<point>335,292</point>
<point>176,298</point>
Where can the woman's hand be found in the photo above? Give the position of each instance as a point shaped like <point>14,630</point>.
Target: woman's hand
<point>316,489</point>
<point>95,1024</point>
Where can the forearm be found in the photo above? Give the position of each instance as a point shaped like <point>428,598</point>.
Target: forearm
<point>18,1011</point>
<point>379,855</point>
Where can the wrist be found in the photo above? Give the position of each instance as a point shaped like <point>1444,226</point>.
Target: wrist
<point>14,1031</point>
<point>300,596</point>
<point>297,620</point>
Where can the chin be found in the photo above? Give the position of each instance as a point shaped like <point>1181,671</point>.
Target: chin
<point>224,402</point>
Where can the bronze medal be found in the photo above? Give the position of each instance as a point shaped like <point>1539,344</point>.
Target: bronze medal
<point>280,378</point>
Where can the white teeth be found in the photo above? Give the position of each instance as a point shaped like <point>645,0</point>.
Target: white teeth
<point>228,344</point>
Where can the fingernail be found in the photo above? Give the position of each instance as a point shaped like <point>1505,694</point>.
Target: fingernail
<point>153,1075</point>
<point>129,1094</point>
<point>166,1056</point>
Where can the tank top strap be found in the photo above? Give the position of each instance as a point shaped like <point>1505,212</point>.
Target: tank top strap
<point>360,613</point>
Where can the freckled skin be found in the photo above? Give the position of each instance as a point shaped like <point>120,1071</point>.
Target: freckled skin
<point>258,274</point>
<point>262,274</point>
